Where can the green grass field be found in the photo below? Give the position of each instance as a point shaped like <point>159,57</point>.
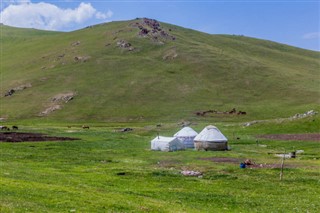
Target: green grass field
<point>110,171</point>
<point>156,83</point>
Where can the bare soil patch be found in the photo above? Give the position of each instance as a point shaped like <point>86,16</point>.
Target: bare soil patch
<point>223,160</point>
<point>15,137</point>
<point>252,166</point>
<point>295,137</point>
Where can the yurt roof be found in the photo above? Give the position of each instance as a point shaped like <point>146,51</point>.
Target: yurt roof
<point>186,132</point>
<point>211,134</point>
<point>164,139</point>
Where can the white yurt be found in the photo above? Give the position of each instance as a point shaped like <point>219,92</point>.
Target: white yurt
<point>168,144</point>
<point>186,136</point>
<point>210,138</point>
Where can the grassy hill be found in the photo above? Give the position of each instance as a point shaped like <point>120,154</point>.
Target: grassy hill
<point>117,72</point>
<point>164,76</point>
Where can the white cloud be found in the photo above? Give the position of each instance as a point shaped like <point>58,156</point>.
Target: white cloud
<point>48,16</point>
<point>18,1</point>
<point>315,35</point>
<point>100,15</point>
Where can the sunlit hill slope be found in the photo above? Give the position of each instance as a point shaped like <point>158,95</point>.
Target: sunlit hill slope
<point>143,70</point>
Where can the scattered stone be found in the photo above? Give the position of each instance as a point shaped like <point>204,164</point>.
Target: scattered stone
<point>63,97</point>
<point>125,45</point>
<point>22,87</point>
<point>10,92</point>
<point>143,32</point>
<point>82,58</point>
<point>57,102</point>
<point>75,43</point>
<point>306,114</point>
<point>191,173</point>
<point>296,116</point>
<point>170,54</point>
<point>251,123</point>
<point>151,23</point>
<point>184,123</point>
<point>50,110</point>
<point>292,137</point>
<point>151,28</point>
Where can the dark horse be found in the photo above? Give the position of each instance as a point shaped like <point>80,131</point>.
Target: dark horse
<point>4,128</point>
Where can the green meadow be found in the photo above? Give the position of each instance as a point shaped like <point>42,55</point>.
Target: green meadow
<point>112,171</point>
<point>153,89</point>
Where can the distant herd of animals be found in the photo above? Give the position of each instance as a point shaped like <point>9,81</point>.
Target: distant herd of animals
<point>83,127</point>
<point>5,128</point>
<point>232,112</point>
<point>8,129</point>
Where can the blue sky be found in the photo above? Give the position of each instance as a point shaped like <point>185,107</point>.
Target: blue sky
<point>290,22</point>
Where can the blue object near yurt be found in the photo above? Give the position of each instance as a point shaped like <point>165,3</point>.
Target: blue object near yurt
<point>242,165</point>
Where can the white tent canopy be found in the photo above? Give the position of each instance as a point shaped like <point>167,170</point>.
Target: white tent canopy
<point>212,134</point>
<point>210,138</point>
<point>186,135</point>
<point>161,143</point>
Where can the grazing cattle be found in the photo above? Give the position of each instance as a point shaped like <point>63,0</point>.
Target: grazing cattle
<point>85,127</point>
<point>15,128</point>
<point>248,162</point>
<point>126,130</point>
<point>233,111</point>
<point>241,113</point>
<point>4,128</point>
<point>200,113</point>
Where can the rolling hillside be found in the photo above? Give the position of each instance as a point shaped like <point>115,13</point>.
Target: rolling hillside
<point>142,70</point>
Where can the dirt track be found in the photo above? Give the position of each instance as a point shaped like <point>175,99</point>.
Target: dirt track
<point>14,137</point>
<point>223,160</point>
<point>294,137</point>
<point>252,166</point>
